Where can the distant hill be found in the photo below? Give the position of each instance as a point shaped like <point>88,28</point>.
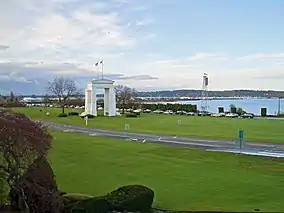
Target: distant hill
<point>225,93</point>
<point>198,94</point>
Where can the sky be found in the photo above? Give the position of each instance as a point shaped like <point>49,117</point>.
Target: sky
<point>148,45</point>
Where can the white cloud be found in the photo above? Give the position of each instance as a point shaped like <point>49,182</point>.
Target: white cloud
<point>143,22</point>
<point>64,37</point>
<point>41,39</point>
<point>150,36</point>
<point>4,47</point>
<point>208,56</point>
<point>140,8</point>
<point>46,31</point>
<point>196,60</point>
<point>263,56</point>
<point>280,63</point>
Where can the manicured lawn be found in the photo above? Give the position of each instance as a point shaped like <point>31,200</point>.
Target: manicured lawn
<point>204,127</point>
<point>183,179</point>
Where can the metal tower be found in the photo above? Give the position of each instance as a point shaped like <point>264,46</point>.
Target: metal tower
<point>204,94</point>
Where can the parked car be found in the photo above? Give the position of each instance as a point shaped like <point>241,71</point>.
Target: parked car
<point>168,112</point>
<point>181,112</point>
<point>218,115</point>
<point>147,111</point>
<point>158,111</point>
<point>204,113</point>
<point>232,115</point>
<point>248,115</point>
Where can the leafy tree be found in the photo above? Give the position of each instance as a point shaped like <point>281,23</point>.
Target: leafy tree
<point>21,142</point>
<point>125,96</point>
<point>63,89</point>
<point>12,97</point>
<point>233,108</point>
<point>240,111</point>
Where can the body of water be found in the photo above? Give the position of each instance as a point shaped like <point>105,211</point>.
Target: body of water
<point>249,105</point>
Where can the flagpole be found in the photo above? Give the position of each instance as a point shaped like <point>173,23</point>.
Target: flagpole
<point>102,62</point>
<point>98,70</point>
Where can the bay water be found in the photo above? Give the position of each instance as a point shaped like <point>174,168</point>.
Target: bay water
<point>249,105</point>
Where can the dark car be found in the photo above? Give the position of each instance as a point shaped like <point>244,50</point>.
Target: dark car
<point>248,115</point>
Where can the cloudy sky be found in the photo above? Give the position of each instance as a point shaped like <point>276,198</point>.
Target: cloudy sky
<point>157,44</point>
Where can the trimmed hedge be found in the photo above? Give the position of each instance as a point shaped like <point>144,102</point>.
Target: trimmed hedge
<point>73,113</point>
<point>84,204</point>
<point>132,198</point>
<point>89,116</point>
<point>62,115</point>
<point>131,115</point>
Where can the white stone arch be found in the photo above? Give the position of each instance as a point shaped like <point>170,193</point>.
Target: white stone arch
<point>109,97</point>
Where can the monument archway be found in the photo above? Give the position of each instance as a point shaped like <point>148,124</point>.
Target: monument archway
<point>109,97</point>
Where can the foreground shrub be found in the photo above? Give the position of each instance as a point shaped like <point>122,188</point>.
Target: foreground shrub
<point>40,188</point>
<point>22,141</point>
<point>131,198</point>
<point>4,188</point>
<point>62,115</point>
<point>12,104</point>
<point>74,197</point>
<point>85,204</point>
<point>131,115</point>
<point>73,113</point>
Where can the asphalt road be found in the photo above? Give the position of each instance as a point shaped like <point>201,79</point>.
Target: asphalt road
<point>253,148</point>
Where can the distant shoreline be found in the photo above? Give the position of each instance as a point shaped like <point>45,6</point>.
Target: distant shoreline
<point>165,99</point>
<point>171,98</point>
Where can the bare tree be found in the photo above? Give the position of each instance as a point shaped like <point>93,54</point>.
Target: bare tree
<point>46,100</point>
<point>63,89</point>
<point>125,96</point>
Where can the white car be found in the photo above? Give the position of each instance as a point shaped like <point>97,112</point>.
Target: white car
<point>168,112</point>
<point>218,115</point>
<point>158,111</point>
<point>232,115</point>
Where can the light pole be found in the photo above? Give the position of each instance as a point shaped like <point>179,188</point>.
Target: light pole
<point>279,105</point>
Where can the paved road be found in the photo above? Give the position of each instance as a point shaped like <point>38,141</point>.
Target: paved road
<point>265,149</point>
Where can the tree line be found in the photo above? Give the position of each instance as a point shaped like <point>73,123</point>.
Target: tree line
<point>67,93</point>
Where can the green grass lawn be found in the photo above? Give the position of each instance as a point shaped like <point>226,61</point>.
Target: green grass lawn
<point>183,179</point>
<point>205,127</point>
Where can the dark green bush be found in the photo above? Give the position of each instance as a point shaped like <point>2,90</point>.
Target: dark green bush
<point>131,198</point>
<point>40,188</point>
<point>131,115</point>
<point>73,113</point>
<point>62,115</point>
<point>85,204</point>
<point>4,188</point>
<point>89,116</point>
<point>73,197</point>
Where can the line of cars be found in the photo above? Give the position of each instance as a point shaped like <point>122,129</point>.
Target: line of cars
<point>233,115</point>
<point>228,115</point>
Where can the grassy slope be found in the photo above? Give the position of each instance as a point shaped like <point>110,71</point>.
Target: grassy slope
<point>183,179</point>
<point>206,127</point>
